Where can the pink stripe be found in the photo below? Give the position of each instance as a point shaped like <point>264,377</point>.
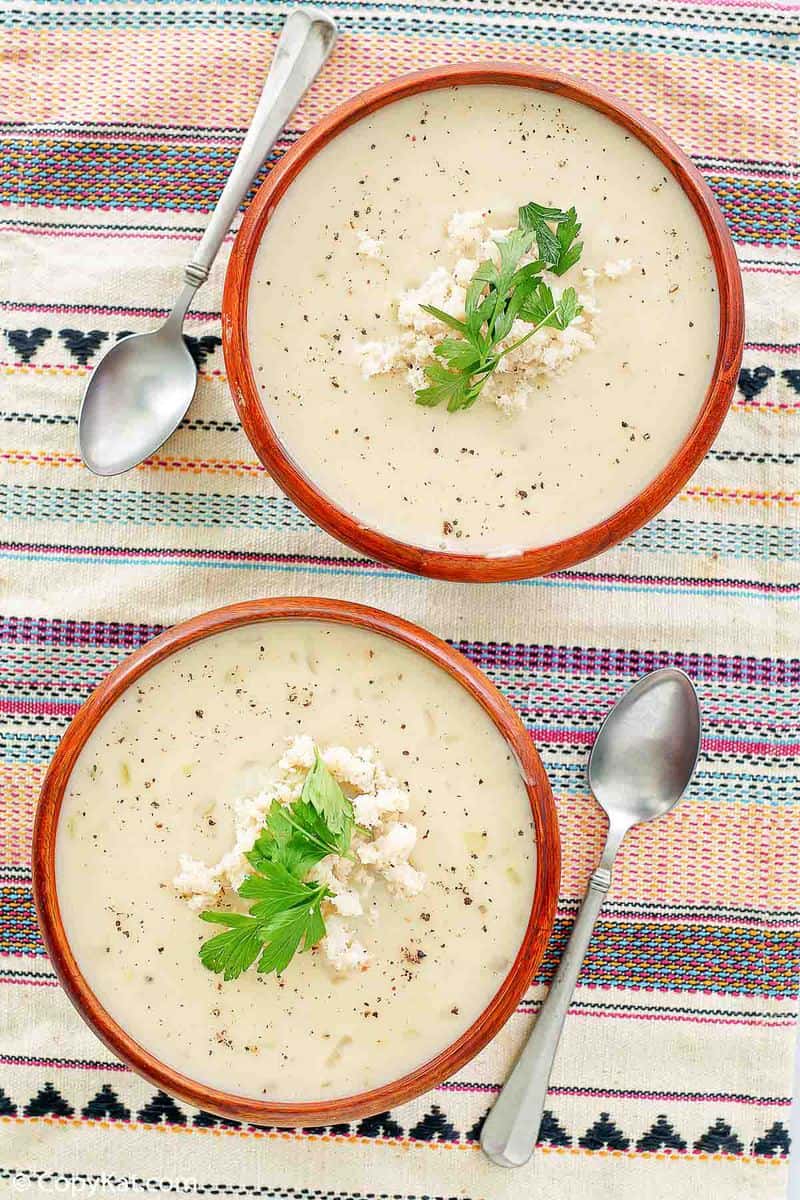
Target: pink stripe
<point>17,1060</point>
<point>576,737</point>
<point>40,707</point>
<point>42,981</point>
<point>756,270</point>
<point>779,1023</point>
<point>673,918</point>
<point>168,235</point>
<point>611,1093</point>
<point>113,310</point>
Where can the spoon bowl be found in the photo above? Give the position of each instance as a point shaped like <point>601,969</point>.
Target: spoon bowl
<point>640,765</point>
<point>138,394</point>
<point>647,748</point>
<point>140,390</point>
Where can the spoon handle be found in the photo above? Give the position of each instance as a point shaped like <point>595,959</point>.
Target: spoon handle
<point>306,40</point>
<point>512,1127</point>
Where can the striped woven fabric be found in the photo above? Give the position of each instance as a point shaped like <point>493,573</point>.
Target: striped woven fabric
<point>119,124</point>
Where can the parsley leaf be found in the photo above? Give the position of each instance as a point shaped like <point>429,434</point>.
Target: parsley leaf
<point>567,308</point>
<point>540,308</point>
<point>569,251</point>
<point>285,913</point>
<point>284,933</point>
<point>444,317</point>
<point>536,219</point>
<point>323,793</point>
<point>230,953</point>
<point>499,294</point>
<point>454,387</point>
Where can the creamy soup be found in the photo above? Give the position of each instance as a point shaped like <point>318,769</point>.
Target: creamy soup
<point>367,219</point>
<point>159,779</point>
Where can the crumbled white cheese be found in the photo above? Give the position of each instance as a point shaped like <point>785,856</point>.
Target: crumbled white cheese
<point>466,230</point>
<point>348,903</point>
<point>405,879</point>
<point>371,807</point>
<point>464,269</point>
<point>392,848</point>
<point>298,755</point>
<point>439,289</point>
<point>368,246</point>
<point>196,881</point>
<point>510,387</point>
<point>377,358</point>
<point>515,401</point>
<point>341,948</point>
<point>382,852</point>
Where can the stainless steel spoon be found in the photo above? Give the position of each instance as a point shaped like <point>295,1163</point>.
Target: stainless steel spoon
<point>640,766</point>
<point>140,390</point>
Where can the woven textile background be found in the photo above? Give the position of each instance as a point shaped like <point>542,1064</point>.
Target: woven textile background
<point>119,123</point>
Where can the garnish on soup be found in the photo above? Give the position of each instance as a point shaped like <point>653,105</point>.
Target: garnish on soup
<point>551,330</point>
<point>314,853</point>
<point>502,297</point>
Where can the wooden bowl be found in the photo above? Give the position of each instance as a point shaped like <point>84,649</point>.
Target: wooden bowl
<point>505,1001</point>
<point>444,564</point>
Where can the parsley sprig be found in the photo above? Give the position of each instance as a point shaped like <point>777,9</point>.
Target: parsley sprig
<point>500,293</point>
<point>285,915</point>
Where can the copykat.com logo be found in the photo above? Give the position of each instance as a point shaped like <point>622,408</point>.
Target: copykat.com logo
<point>99,1185</point>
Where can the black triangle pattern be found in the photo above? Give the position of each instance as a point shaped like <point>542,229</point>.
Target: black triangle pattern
<point>775,1141</point>
<point>201,347</point>
<point>206,1120</point>
<point>719,1139</point>
<point>162,1109</point>
<point>25,342</point>
<point>123,333</point>
<point>661,1136</point>
<point>604,1135</point>
<point>106,1106</point>
<point>792,377</point>
<point>82,345</point>
<point>751,382</point>
<point>474,1134</point>
<point>551,1132</point>
<point>381,1125</point>
<point>48,1103</point>
<point>434,1127</point>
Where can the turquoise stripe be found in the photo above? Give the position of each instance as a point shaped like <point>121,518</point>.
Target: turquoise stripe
<point>179,509</point>
<point>556,27</point>
<point>740,589</point>
<point>183,510</point>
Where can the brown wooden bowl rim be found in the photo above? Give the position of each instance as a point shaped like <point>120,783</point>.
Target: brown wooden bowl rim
<point>444,564</point>
<point>510,991</point>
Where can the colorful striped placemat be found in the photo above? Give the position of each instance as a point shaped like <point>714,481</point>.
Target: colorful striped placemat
<point>119,123</point>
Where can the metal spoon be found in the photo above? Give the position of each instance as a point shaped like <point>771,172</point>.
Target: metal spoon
<point>640,766</point>
<point>140,390</point>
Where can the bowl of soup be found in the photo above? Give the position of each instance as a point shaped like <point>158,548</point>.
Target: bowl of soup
<point>368,417</point>
<point>182,788</point>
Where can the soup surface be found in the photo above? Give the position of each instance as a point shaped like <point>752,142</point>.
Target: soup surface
<point>159,778</point>
<point>594,433</point>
